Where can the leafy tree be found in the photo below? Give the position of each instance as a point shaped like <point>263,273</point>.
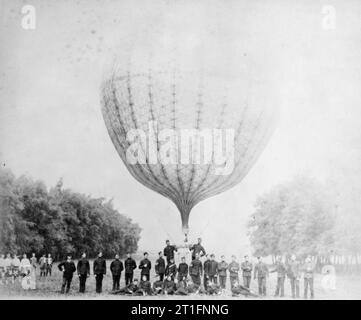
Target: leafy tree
<point>58,221</point>
<point>296,217</point>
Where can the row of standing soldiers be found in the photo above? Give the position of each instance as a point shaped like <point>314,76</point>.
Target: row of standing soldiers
<point>214,273</point>
<point>99,268</point>
<point>164,268</point>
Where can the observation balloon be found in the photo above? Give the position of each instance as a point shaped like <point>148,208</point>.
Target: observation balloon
<point>156,117</point>
<point>189,100</point>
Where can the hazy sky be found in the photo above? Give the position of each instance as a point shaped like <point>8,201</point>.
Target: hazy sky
<point>50,115</point>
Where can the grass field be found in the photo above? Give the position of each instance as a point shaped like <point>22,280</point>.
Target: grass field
<point>347,287</point>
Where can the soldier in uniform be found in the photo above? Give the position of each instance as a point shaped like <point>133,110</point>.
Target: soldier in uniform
<point>197,248</point>
<point>308,272</point>
<point>49,265</point>
<point>293,272</point>
<point>171,269</point>
<point>222,272</point>
<point>169,286</point>
<point>129,265</point>
<point>196,270</point>
<point>246,267</point>
<point>238,289</point>
<point>145,265</point>
<point>169,251</point>
<point>99,270</point>
<point>68,269</point>
<point>116,268</point>
<point>261,273</point>
<point>213,269</point>
<point>145,286</point>
<point>182,269</point>
<point>130,289</point>
<point>181,286</point>
<point>157,285</point>
<point>160,266</point>
<point>233,269</point>
<point>83,269</point>
<point>281,274</point>
<point>206,271</point>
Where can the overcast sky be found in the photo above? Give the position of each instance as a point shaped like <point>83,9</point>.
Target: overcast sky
<point>50,115</point>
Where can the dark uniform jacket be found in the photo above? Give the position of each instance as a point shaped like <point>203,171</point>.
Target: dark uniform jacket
<point>132,288</point>
<point>68,268</point>
<point>206,267</point>
<point>157,286</point>
<point>99,266</point>
<point>196,268</point>
<point>169,286</point>
<point>116,267</point>
<point>160,266</point>
<point>169,252</point>
<point>212,268</point>
<point>233,268</point>
<point>246,267</point>
<point>145,265</point>
<point>171,270</point>
<point>222,268</point>
<point>281,269</point>
<point>260,270</point>
<point>83,267</point>
<point>146,287</point>
<point>130,265</point>
<point>197,248</point>
<point>183,270</point>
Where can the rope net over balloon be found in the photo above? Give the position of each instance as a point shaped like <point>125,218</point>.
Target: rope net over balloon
<point>171,100</point>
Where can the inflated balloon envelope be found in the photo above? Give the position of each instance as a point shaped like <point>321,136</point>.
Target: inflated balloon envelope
<point>189,121</point>
<point>142,111</point>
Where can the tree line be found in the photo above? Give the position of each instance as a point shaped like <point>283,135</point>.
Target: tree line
<point>306,217</point>
<point>60,221</point>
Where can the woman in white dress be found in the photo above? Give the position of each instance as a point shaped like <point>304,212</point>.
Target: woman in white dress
<point>34,263</point>
<point>25,265</point>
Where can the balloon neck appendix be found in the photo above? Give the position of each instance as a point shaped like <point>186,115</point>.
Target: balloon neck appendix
<point>182,136</point>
